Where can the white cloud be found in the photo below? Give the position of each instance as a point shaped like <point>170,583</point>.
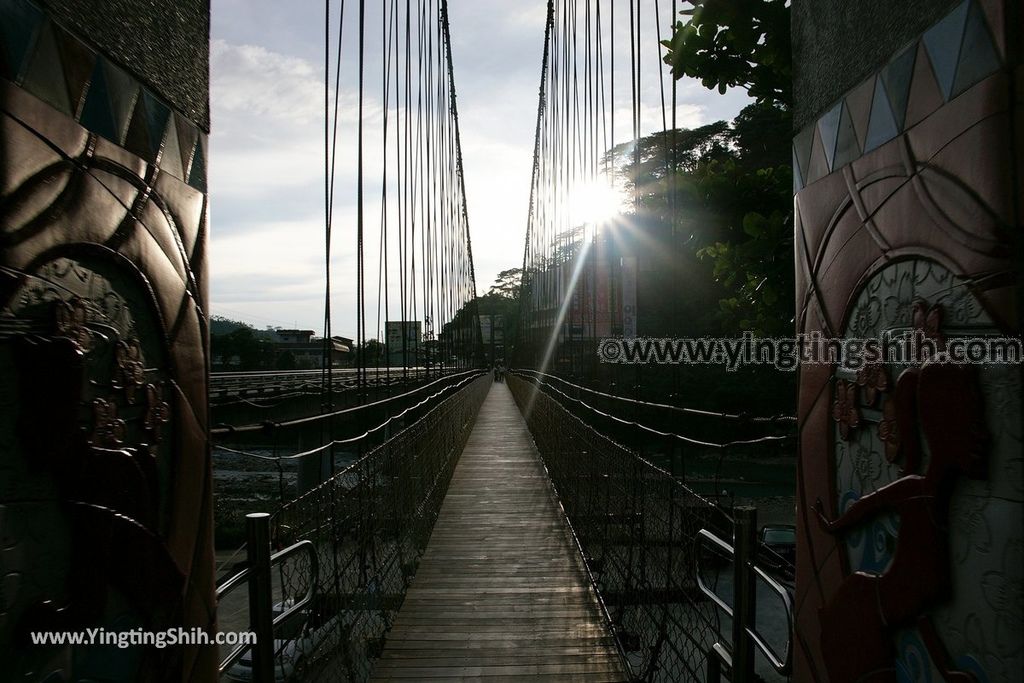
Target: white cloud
<point>252,80</point>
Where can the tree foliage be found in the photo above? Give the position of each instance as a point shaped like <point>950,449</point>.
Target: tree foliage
<point>724,193</point>
<point>736,43</point>
<point>731,193</point>
<point>507,283</point>
<point>502,299</point>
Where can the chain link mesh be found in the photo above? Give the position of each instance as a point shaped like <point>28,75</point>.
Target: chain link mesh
<point>637,527</point>
<point>370,523</point>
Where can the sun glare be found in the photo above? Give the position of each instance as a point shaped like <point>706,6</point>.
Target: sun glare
<point>594,202</point>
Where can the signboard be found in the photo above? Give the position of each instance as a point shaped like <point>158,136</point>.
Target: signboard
<point>403,341</point>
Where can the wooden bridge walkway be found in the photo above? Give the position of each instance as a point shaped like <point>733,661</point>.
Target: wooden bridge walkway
<point>500,594</point>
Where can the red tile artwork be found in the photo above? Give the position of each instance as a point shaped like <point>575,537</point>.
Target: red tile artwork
<point>910,491</point>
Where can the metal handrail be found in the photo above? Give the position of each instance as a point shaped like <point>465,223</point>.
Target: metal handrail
<point>245,576</point>
<point>783,665</point>
<point>449,379</point>
<point>704,588</point>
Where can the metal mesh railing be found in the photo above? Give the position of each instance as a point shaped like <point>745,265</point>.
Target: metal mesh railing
<point>637,528</point>
<point>368,524</point>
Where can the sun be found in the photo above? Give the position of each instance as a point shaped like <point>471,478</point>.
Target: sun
<point>594,202</point>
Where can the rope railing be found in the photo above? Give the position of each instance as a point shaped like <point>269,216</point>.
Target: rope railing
<point>367,526</point>
<point>696,412</point>
<point>638,528</point>
<point>390,421</point>
<point>345,412</point>
<point>566,398</point>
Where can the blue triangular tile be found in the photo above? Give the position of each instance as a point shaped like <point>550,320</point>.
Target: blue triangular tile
<point>78,62</point>
<point>897,77</point>
<point>18,23</point>
<point>44,76</point>
<point>978,58</point>
<point>137,138</point>
<point>123,91</point>
<point>170,154</point>
<point>847,148</point>
<point>157,113</point>
<point>798,178</point>
<point>96,109</point>
<point>882,124</point>
<point>187,137</point>
<point>197,175</point>
<point>802,148</point>
<point>943,43</point>
<point>817,167</point>
<point>828,127</point>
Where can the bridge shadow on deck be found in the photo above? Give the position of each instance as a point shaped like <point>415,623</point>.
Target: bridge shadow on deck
<point>500,593</point>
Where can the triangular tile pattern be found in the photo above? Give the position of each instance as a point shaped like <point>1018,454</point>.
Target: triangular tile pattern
<point>847,147</point>
<point>817,168</point>
<point>953,55</point>
<point>828,128</point>
<point>19,21</point>
<point>123,91</point>
<point>157,114</point>
<point>43,75</point>
<point>78,62</point>
<point>170,153</point>
<point>858,104</point>
<point>882,126</point>
<point>943,42</point>
<point>96,115</point>
<point>925,96</point>
<point>197,174</point>
<point>802,148</point>
<point>137,138</point>
<point>55,66</point>
<point>798,179</point>
<point>188,134</point>
<point>896,77</point>
<point>995,12</point>
<point>148,126</point>
<point>978,56</point>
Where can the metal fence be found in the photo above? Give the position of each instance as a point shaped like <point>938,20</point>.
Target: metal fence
<point>369,525</point>
<point>637,528</point>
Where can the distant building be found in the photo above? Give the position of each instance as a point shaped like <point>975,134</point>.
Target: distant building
<point>294,336</point>
<point>300,350</point>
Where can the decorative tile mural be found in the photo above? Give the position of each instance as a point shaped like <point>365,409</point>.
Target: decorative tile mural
<point>67,74</point>
<point>948,59</point>
<point>105,481</point>
<point>910,478</point>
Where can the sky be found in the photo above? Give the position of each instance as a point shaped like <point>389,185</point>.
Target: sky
<point>267,164</point>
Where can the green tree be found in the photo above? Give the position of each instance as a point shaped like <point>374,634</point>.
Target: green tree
<point>736,43</point>
<point>719,194</point>
<point>507,283</point>
<point>742,195</point>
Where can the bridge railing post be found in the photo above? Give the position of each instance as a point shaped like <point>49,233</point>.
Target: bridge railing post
<point>261,608</point>
<point>744,593</point>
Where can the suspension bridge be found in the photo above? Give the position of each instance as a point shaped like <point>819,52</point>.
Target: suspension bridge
<point>431,523</point>
<point>463,494</point>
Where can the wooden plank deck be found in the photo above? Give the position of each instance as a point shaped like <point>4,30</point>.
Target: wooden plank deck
<point>500,594</point>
